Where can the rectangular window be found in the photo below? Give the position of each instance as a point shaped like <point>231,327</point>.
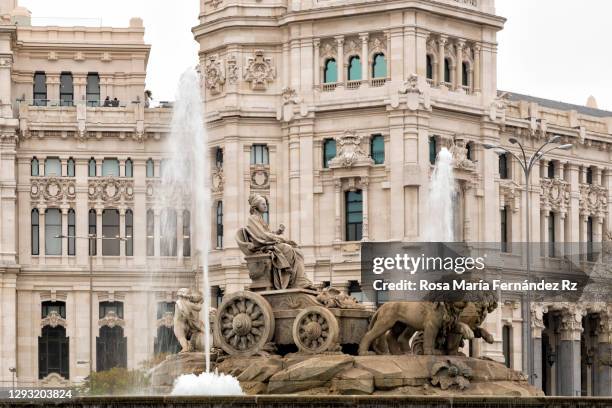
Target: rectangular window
<point>70,168</point>
<point>329,151</point>
<point>354,215</point>
<point>110,167</point>
<point>66,89</point>
<point>259,154</point>
<point>503,166</point>
<point>93,89</point>
<point>40,89</point>
<point>432,150</point>
<point>504,229</point>
<point>589,175</point>
<point>590,254</point>
<point>35,232</point>
<point>71,232</point>
<point>220,224</point>
<point>150,233</point>
<point>110,232</point>
<point>507,344</point>
<point>53,231</point>
<point>168,232</point>
<point>129,233</point>
<point>92,231</point>
<point>53,167</point>
<point>186,233</point>
<point>551,235</point>
<point>377,149</point>
<point>551,170</point>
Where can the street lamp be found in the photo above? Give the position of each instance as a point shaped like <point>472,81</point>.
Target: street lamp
<point>527,164</point>
<point>92,241</point>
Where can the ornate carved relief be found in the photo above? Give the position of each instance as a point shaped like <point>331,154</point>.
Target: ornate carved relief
<point>377,45</point>
<point>352,47</point>
<point>218,180</point>
<point>111,320</point>
<point>593,200</point>
<point>459,151</point>
<point>214,74</point>
<point>53,189</point>
<point>509,194</point>
<point>350,152</point>
<point>54,380</point>
<point>260,177</point>
<point>53,319</point>
<point>259,71</point>
<point>111,189</point>
<point>232,70</point>
<point>555,194</point>
<point>328,50</point>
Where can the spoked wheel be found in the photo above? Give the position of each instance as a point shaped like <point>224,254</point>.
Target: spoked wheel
<point>315,330</point>
<point>244,324</point>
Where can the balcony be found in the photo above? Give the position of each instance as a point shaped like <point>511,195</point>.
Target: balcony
<point>353,84</point>
<point>377,82</point>
<point>329,87</point>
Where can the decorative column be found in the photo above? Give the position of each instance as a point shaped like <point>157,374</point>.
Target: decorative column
<point>53,88</point>
<point>441,47</point>
<point>340,62</point>
<point>568,354</point>
<point>364,191</point>
<point>477,50</point>
<point>365,59</point>
<point>80,83</point>
<point>603,385</point>
<point>458,64</point>
<point>317,63</point>
<point>338,209</point>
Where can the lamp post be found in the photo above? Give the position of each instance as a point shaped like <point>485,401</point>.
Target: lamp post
<point>527,164</point>
<point>92,238</point>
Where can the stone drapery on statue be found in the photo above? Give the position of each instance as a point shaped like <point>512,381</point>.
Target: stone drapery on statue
<point>188,328</point>
<point>271,258</point>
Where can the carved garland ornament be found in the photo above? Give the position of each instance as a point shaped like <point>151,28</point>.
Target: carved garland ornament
<point>111,189</point>
<point>350,152</point>
<point>167,320</point>
<point>232,70</point>
<point>53,189</point>
<point>555,194</point>
<point>259,71</point>
<point>111,320</point>
<point>593,199</point>
<point>53,319</point>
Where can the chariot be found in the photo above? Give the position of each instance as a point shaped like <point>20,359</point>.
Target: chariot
<point>258,320</point>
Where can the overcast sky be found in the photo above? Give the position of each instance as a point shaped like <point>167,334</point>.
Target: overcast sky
<point>555,49</point>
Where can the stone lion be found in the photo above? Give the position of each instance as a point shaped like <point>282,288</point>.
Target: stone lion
<point>188,328</point>
<point>433,318</point>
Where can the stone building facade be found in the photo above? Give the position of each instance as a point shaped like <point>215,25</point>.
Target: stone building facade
<point>332,109</point>
<point>335,110</point>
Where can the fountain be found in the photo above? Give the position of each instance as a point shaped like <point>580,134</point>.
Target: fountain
<point>439,225</point>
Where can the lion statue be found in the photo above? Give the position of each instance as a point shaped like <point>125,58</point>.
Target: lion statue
<point>435,319</point>
<point>188,328</point>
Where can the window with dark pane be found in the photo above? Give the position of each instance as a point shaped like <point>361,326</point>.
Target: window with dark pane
<point>259,154</point>
<point>150,233</point>
<point>40,89</point>
<point>377,149</point>
<point>93,89</point>
<point>66,89</point>
<point>35,232</point>
<point>186,233</point>
<point>71,232</point>
<point>329,151</point>
<point>354,215</point>
<point>53,231</point>
<point>330,73</point>
<point>129,233</point>
<point>70,168</point>
<point>110,232</point>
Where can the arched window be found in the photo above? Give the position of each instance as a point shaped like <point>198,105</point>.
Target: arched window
<point>329,151</point>
<point>433,150</point>
<point>150,168</point>
<point>168,232</point>
<point>354,215</point>
<point>66,89</point>
<point>447,70</point>
<point>53,230</point>
<point>379,66</point>
<point>465,74</point>
<point>220,224</point>
<point>429,66</point>
<point>93,89</point>
<point>34,167</point>
<point>377,149</point>
<point>150,233</point>
<point>129,168</point>
<point>354,68</point>
<point>110,167</point>
<point>92,231</point>
<point>71,232</point>
<point>53,352</point>
<point>330,73</point>
<point>186,233</point>
<point>110,232</point>
<point>129,233</point>
<point>507,344</point>
<point>70,168</point>
<point>35,232</point>
<point>53,166</point>
<point>40,89</point>
<point>92,167</point>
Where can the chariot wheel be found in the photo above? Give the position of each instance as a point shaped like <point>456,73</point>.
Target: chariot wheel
<point>244,324</point>
<point>315,330</point>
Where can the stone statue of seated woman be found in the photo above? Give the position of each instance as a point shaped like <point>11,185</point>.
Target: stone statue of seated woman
<point>274,262</point>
